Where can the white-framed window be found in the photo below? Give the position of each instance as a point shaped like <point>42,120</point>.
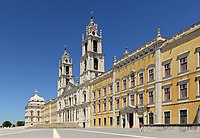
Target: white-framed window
<point>151,75</point>
<point>167,94</point>
<point>141,78</point>
<point>104,91</point>
<point>111,89</point>
<point>132,97</point>
<point>104,103</point>
<point>124,84</point>
<point>132,78</point>
<point>141,100</point>
<point>167,117</point>
<point>199,59</point>
<point>99,92</point>
<point>183,62</point>
<point>198,86</point>
<point>111,104</point>
<point>183,89</point>
<point>151,118</point>
<point>117,86</point>
<point>124,102</point>
<point>94,95</point>
<point>151,99</point>
<point>94,107</point>
<point>183,116</point>
<point>198,56</point>
<point>167,68</point>
<point>99,106</point>
<point>117,103</point>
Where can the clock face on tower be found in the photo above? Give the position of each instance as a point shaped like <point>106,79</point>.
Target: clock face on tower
<point>66,60</point>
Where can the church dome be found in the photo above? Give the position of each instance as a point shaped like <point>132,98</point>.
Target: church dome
<point>36,98</point>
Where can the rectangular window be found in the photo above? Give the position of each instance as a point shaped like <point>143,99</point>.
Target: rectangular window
<point>104,121</point>
<point>117,103</point>
<point>99,121</point>
<point>124,84</point>
<point>141,78</point>
<point>132,79</point>
<point>117,86</point>
<point>199,87</point>
<point>94,107</point>
<point>99,106</point>
<point>140,99</point>
<point>199,59</point>
<point>183,64</point>
<point>124,102</point>
<point>167,117</point>
<point>183,90</point>
<point>118,119</point>
<point>104,105</point>
<point>111,104</point>
<point>151,118</point>
<point>94,95</point>
<point>104,91</point>
<point>167,94</point>
<point>183,116</point>
<point>111,89</point>
<point>151,97</point>
<point>151,75</point>
<point>111,121</point>
<point>99,93</point>
<point>167,69</point>
<point>132,100</point>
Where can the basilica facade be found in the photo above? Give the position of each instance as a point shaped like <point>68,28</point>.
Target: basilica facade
<point>73,101</point>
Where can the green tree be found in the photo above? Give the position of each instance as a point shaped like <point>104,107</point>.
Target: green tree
<point>20,123</point>
<point>7,124</point>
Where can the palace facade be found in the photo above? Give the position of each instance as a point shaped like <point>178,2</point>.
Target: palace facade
<point>157,83</point>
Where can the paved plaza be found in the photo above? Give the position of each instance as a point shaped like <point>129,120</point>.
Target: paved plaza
<point>95,133</point>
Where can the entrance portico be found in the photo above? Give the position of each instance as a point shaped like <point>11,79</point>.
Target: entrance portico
<point>131,117</point>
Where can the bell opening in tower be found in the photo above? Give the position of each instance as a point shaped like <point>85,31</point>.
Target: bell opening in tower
<point>95,64</point>
<point>94,45</point>
<point>67,70</point>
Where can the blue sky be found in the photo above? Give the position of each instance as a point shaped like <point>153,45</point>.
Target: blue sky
<point>33,34</point>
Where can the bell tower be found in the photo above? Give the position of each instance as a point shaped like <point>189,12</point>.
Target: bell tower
<point>65,72</point>
<point>92,59</point>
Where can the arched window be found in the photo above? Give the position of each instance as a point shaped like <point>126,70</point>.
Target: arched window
<point>94,45</point>
<point>95,64</point>
<point>85,65</point>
